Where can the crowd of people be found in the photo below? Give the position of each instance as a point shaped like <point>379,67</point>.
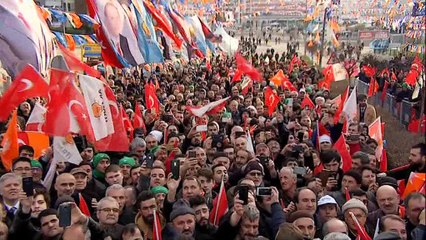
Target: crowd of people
<point>280,176</point>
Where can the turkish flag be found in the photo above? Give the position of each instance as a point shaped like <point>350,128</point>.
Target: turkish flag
<point>307,102</point>
<point>156,227</point>
<point>244,67</point>
<point>36,120</point>
<point>340,146</point>
<point>386,70</point>
<point>361,232</point>
<point>210,108</point>
<point>339,110</point>
<point>74,64</point>
<point>271,100</point>
<point>384,161</point>
<point>118,141</point>
<point>10,143</point>
<point>328,74</point>
<point>373,87</point>
<point>287,85</point>
<point>369,71</point>
<point>151,99</point>
<point>411,77</point>
<point>162,23</point>
<point>27,84</point>
<point>220,206</point>
<point>246,84</point>
<point>294,61</point>
<point>138,121</point>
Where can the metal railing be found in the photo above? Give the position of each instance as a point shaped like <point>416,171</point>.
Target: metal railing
<point>400,110</point>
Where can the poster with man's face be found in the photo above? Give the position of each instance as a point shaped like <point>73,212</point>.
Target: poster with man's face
<point>117,28</point>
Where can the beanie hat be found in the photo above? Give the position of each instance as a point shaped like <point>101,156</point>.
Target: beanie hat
<point>253,165</point>
<point>159,189</point>
<point>181,207</point>
<point>98,157</point>
<point>354,203</point>
<point>127,161</point>
<point>36,164</point>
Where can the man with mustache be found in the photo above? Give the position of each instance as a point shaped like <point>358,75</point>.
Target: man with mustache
<point>203,228</point>
<point>145,218</point>
<point>183,219</point>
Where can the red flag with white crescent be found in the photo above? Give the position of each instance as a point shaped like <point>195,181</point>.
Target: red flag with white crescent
<point>210,108</point>
<point>27,84</point>
<point>271,100</point>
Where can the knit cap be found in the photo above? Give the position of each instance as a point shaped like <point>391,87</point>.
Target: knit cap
<point>354,203</point>
<point>181,207</point>
<point>127,161</point>
<point>98,157</point>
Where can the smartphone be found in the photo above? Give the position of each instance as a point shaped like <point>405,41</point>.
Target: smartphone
<point>298,148</point>
<point>191,154</point>
<point>239,134</point>
<point>201,128</point>
<point>299,171</point>
<point>176,169</point>
<point>264,160</point>
<point>263,191</point>
<point>149,161</point>
<point>353,137</point>
<point>64,215</point>
<point>28,186</point>
<point>325,175</point>
<point>243,194</point>
<point>217,142</point>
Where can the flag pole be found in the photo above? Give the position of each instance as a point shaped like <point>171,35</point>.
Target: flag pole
<point>322,36</point>
<point>218,201</point>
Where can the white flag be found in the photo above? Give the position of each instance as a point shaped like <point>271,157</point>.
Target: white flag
<point>36,119</point>
<point>250,147</point>
<point>65,149</point>
<point>339,72</point>
<point>350,107</point>
<point>97,106</point>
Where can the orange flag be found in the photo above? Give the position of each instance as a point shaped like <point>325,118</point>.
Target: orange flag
<point>38,140</point>
<point>279,78</point>
<point>416,183</point>
<point>10,143</point>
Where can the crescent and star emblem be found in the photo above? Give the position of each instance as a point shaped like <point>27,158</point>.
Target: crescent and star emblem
<point>28,85</point>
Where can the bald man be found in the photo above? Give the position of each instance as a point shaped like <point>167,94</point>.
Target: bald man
<point>64,186</point>
<point>334,225</point>
<point>288,182</point>
<point>388,201</point>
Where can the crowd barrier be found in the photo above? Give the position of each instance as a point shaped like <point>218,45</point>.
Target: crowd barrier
<point>402,110</point>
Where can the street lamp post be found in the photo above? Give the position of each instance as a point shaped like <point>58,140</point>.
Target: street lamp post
<point>322,36</point>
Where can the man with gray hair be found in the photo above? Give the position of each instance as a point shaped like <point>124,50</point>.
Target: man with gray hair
<point>10,187</point>
<point>138,147</point>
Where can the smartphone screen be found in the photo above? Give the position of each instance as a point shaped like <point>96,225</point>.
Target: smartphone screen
<point>191,154</point>
<point>65,215</point>
<point>263,191</point>
<point>27,185</point>
<point>175,169</point>
<point>300,171</point>
<point>201,128</point>
<point>243,194</point>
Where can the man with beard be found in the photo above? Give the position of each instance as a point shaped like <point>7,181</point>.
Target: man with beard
<point>145,218</point>
<point>203,229</point>
<point>183,219</point>
<point>417,163</point>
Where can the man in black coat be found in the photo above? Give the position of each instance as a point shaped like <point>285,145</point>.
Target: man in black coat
<point>203,229</point>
